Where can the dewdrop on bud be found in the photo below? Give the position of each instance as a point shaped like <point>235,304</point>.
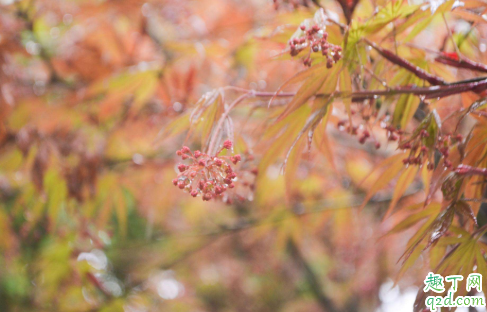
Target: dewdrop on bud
<point>181,184</point>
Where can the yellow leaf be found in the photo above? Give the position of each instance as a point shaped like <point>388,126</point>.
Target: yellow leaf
<point>386,176</point>
<point>403,182</point>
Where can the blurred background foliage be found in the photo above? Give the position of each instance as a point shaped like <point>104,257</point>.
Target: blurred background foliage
<point>89,218</point>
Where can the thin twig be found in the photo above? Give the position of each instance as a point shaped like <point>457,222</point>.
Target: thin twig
<point>218,127</point>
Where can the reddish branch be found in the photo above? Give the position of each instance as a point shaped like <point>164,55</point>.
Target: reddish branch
<point>465,170</point>
<point>452,59</point>
<point>420,73</point>
<point>426,92</point>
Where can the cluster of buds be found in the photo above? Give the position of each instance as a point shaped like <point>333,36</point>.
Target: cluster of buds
<point>420,153</point>
<point>393,134</point>
<point>208,176</point>
<point>316,38</point>
<point>362,133</point>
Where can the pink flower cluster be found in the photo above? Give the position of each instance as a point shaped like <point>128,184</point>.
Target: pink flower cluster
<point>208,176</point>
<point>316,38</point>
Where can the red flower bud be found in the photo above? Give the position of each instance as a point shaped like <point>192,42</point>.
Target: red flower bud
<point>235,159</point>
<point>181,168</point>
<point>329,63</point>
<point>227,144</point>
<point>406,145</point>
<point>185,149</point>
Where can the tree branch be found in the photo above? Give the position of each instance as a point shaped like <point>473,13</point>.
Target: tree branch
<point>393,58</point>
<point>477,85</point>
<point>313,281</point>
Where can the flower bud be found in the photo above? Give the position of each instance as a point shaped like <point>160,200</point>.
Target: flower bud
<point>227,144</point>
<point>181,167</point>
<point>185,149</point>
